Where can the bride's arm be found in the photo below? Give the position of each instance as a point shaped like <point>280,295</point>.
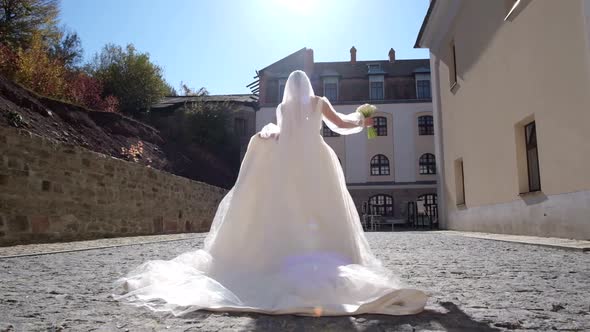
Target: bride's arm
<point>271,130</point>
<point>342,123</point>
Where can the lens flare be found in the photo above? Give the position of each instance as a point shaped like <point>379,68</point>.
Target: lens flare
<point>317,311</point>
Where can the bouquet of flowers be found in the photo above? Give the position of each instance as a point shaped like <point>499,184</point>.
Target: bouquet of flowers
<point>367,110</point>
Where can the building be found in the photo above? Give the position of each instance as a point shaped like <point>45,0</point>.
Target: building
<point>511,94</point>
<point>242,108</point>
<point>398,166</point>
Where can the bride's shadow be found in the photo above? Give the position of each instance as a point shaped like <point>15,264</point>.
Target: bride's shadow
<point>454,319</point>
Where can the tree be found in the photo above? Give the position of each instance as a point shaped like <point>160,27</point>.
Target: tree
<point>171,91</point>
<point>20,20</point>
<point>209,124</point>
<point>87,91</point>
<point>67,49</point>
<point>9,61</point>
<point>39,72</point>
<point>188,91</point>
<point>130,76</point>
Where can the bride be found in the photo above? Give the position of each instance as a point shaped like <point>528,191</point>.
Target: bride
<point>287,238</point>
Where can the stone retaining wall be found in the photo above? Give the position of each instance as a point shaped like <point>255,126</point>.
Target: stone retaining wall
<point>50,191</point>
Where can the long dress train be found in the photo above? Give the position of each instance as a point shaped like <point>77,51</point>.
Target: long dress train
<point>286,239</point>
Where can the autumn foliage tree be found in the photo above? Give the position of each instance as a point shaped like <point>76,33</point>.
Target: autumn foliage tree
<point>21,20</point>
<point>40,72</point>
<point>8,61</point>
<point>86,90</point>
<point>67,49</point>
<point>44,57</point>
<point>130,76</point>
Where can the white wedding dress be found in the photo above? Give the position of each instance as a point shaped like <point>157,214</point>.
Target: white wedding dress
<point>286,239</point>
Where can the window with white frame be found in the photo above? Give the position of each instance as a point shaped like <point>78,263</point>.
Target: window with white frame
<point>282,83</point>
<point>374,67</point>
<point>427,164</point>
<point>425,125</point>
<point>423,86</point>
<point>381,204</point>
<point>379,165</point>
<point>380,125</point>
<point>331,88</point>
<point>425,203</point>
<point>376,86</point>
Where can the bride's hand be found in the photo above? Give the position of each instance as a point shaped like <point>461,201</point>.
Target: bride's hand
<point>369,122</point>
<point>269,136</point>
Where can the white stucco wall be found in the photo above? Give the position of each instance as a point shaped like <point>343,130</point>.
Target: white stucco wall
<point>403,141</point>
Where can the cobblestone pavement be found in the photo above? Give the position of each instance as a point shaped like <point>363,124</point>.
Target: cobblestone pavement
<point>45,248</point>
<point>475,285</point>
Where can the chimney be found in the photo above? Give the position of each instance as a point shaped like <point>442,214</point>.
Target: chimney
<point>353,55</point>
<point>308,62</point>
<point>392,55</point>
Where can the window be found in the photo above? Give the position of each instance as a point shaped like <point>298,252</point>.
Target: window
<point>282,84</point>
<point>532,157</point>
<point>427,199</point>
<point>331,91</point>
<point>331,88</point>
<point>427,164</point>
<point>379,165</point>
<point>425,125</point>
<point>380,125</point>
<point>425,202</point>
<point>459,182</point>
<point>381,205</point>
<point>422,78</point>
<point>240,126</point>
<point>423,89</point>
<point>376,87</point>
<point>453,67</point>
<point>327,132</point>
<point>377,90</point>
<point>374,67</point>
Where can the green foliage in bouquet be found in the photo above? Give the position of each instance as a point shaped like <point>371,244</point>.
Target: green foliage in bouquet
<point>371,133</point>
<point>367,111</point>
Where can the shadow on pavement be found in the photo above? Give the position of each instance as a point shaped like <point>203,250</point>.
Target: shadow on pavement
<point>454,319</point>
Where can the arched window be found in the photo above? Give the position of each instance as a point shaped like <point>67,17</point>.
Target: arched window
<point>425,203</point>
<point>427,199</point>
<point>381,204</point>
<point>327,132</point>
<point>427,164</point>
<point>380,125</point>
<point>379,165</point>
<point>425,125</point>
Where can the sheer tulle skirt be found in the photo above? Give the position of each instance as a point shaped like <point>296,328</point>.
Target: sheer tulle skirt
<point>285,240</point>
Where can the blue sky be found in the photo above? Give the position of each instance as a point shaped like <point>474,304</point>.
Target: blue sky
<point>218,44</point>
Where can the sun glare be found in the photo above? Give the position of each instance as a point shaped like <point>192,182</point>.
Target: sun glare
<point>301,7</point>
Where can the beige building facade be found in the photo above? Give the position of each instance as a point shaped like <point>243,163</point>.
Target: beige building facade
<point>511,97</point>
